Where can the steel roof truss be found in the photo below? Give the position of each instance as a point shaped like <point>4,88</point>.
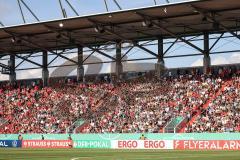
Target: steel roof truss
<point>214,44</point>
<point>24,60</point>
<point>211,19</point>
<point>30,61</point>
<point>168,31</point>
<point>80,43</point>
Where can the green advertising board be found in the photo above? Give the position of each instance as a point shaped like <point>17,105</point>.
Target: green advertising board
<point>92,144</point>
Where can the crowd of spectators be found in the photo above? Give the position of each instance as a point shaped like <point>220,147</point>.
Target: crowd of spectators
<point>223,113</point>
<point>47,110</point>
<point>132,106</point>
<point>145,105</point>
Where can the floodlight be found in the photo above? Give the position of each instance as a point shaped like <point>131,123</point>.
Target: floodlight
<point>147,23</point>
<point>61,25</point>
<point>99,29</point>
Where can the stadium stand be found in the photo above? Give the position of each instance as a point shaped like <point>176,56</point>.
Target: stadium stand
<point>147,106</point>
<point>49,110</point>
<point>206,103</point>
<point>222,114</point>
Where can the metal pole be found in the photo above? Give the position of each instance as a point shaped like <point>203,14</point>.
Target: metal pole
<point>106,5</point>
<point>62,9</point>
<point>12,75</point>
<point>155,2</point>
<point>159,67</point>
<point>45,72</point>
<point>119,66</point>
<point>74,10</point>
<point>30,10</point>
<point>80,68</point>
<point>206,58</point>
<point>1,24</point>
<point>115,1</point>
<point>20,7</point>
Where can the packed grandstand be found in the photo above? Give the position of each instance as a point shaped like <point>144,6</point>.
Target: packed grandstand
<point>205,103</point>
<point>149,79</point>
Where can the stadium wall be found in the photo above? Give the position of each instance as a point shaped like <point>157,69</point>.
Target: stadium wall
<point>187,141</point>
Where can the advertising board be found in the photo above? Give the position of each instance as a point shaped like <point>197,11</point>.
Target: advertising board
<point>92,144</point>
<point>142,144</point>
<point>10,143</point>
<point>47,144</point>
<point>207,144</point>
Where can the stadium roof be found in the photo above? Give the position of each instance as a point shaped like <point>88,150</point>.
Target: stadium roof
<point>171,20</point>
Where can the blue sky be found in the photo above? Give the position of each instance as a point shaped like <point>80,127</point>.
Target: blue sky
<point>50,9</point>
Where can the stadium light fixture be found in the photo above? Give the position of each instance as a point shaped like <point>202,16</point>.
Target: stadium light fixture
<point>99,29</point>
<point>61,25</point>
<point>147,23</point>
<point>165,10</point>
<point>13,39</point>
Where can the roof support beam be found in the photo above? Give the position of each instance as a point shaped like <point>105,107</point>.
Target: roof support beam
<point>88,56</point>
<point>127,52</point>
<point>44,49</point>
<point>174,35</point>
<point>12,72</point>
<point>173,43</point>
<point>37,46</point>
<point>212,20</point>
<point>2,24</point>
<point>137,31</point>
<point>145,49</point>
<point>25,59</point>
<point>4,66</point>
<point>71,6</point>
<point>124,38</point>
<point>20,8</point>
<point>55,58</point>
<point>168,31</point>
<point>62,9</point>
<point>228,30</point>
<point>213,45</point>
<point>28,8</point>
<point>126,28</point>
<point>170,46</point>
<point>115,1</point>
<point>79,43</point>
<point>100,52</point>
<point>105,2</point>
<point>134,43</point>
<point>45,72</point>
<point>155,2</point>
<point>185,55</point>
<point>64,57</point>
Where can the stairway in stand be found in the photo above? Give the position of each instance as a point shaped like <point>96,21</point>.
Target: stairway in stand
<point>205,106</point>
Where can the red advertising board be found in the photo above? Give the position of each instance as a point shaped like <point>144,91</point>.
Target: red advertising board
<point>47,144</point>
<point>207,144</point>
<point>142,144</point>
